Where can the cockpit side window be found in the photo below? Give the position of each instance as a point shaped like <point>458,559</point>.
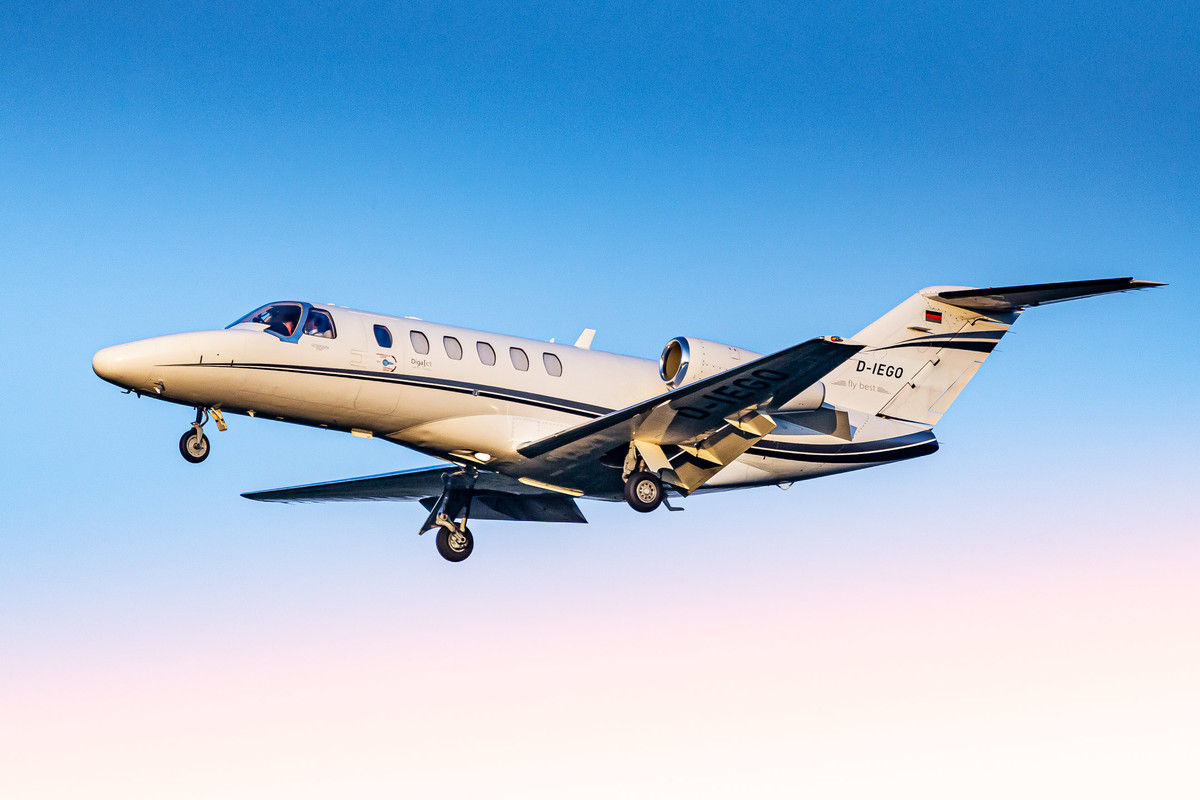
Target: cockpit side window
<point>280,318</point>
<point>319,323</point>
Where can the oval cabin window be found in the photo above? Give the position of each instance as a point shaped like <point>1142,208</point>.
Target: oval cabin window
<point>419,342</point>
<point>486,354</point>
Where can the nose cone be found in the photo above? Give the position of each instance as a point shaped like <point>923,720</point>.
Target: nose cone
<point>126,365</point>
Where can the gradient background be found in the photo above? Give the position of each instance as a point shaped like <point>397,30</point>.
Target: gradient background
<point>1018,615</point>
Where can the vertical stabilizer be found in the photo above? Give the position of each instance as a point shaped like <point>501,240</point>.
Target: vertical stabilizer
<point>919,357</point>
<point>921,354</point>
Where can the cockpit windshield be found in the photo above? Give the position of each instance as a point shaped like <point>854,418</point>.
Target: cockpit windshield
<point>280,318</point>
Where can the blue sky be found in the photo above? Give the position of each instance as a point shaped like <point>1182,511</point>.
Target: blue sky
<point>751,175</point>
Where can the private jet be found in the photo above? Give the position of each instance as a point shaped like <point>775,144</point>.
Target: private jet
<point>526,427</point>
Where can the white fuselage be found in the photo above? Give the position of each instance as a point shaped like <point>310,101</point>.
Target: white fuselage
<point>461,409</point>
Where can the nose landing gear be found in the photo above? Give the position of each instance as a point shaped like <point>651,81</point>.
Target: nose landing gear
<point>193,445</point>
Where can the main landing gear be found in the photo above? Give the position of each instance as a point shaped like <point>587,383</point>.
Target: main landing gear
<point>450,513</point>
<point>643,491</point>
<point>193,445</point>
<point>454,541</point>
<point>643,488</point>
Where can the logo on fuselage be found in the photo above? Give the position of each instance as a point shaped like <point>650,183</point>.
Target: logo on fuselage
<point>388,362</point>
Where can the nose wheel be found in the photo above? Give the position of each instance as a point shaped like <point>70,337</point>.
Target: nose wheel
<point>193,445</point>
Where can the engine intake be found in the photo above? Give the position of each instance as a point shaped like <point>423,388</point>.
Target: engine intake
<point>686,359</point>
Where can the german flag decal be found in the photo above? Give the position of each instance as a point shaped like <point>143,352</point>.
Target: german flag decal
<point>933,316</point>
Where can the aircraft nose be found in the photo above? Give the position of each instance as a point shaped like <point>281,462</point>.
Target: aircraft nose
<point>126,365</point>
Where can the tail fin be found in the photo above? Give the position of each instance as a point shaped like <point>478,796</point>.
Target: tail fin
<point>922,353</point>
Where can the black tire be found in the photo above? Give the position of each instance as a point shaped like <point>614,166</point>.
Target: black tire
<point>453,544</point>
<point>643,492</point>
<point>192,448</point>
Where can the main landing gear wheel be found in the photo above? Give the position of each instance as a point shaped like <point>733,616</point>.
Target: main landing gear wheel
<point>194,445</point>
<point>454,543</point>
<point>643,492</point>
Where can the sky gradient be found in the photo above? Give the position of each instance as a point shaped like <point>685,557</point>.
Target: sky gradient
<point>1015,615</point>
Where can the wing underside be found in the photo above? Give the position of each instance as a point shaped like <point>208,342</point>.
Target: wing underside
<point>494,496</point>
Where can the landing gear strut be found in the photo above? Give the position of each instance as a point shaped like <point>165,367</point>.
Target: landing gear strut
<point>193,445</point>
<point>454,539</point>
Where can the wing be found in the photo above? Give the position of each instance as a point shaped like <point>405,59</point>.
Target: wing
<point>1010,298</point>
<point>713,420</point>
<point>494,497</point>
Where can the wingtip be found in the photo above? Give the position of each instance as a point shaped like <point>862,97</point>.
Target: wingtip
<point>845,342</point>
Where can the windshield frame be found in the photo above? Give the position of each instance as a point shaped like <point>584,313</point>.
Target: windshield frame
<point>296,333</point>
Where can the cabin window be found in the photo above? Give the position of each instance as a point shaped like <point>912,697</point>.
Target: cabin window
<point>552,364</point>
<point>419,342</point>
<point>486,354</point>
<point>453,348</point>
<point>319,323</point>
<point>519,359</point>
<point>383,337</point>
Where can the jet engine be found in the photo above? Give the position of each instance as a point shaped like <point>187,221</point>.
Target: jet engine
<point>686,359</point>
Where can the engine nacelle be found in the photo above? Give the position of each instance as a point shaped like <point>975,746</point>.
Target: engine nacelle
<point>686,359</point>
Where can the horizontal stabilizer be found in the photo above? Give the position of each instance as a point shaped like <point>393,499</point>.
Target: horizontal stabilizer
<point>1011,298</point>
